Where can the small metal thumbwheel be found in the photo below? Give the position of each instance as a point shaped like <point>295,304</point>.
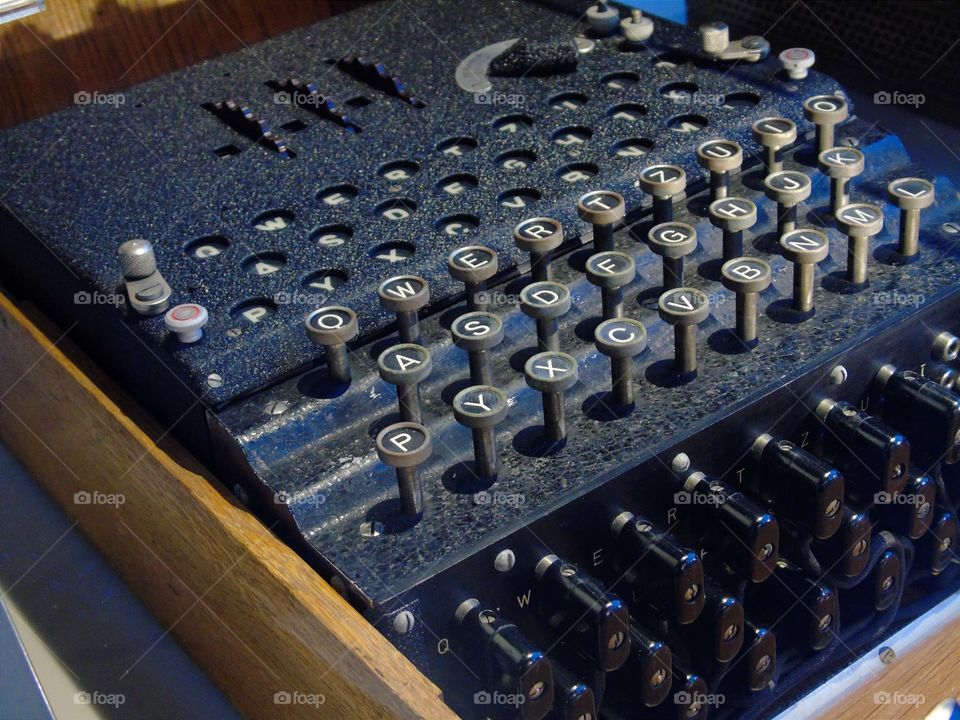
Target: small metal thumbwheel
<point>481,408</point>
<point>405,446</point>
<point>478,333</point>
<point>545,302</point>
<point>825,111</point>
<point>332,327</point>
<point>621,339</point>
<point>186,321</point>
<point>552,374</point>
<point>773,133</point>
<point>539,236</point>
<point>473,265</point>
<point>405,295</point>
<point>663,182</point>
<point>611,271</point>
<point>602,209</point>
<point>859,222</point>
<point>747,277</point>
<point>406,366</point>
<point>732,215</point>
<point>788,188</point>
<point>684,308</point>
<point>911,195</point>
<point>840,164</point>
<point>805,248</point>
<point>720,158</point>
<point>672,241</point>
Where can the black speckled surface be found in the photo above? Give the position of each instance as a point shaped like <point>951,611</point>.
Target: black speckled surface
<point>85,179</point>
<point>320,452</point>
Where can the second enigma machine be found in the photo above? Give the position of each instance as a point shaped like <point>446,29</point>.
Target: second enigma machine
<point>605,365</point>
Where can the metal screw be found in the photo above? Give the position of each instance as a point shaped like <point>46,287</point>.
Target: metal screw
<point>505,561</point>
<point>234,332</point>
<point>838,376</point>
<point>616,640</point>
<point>371,528</point>
<point>951,227</point>
<point>887,655</point>
<point>680,463</point>
<point>859,548</point>
<point>825,621</point>
<point>658,677</point>
<point>763,663</point>
<point>277,407</point>
<point>214,380</point>
<point>692,593</point>
<point>730,632</point>
<point>403,622</point>
<point>536,691</point>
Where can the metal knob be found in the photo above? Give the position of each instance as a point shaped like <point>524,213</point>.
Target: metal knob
<point>684,308</point>
<point>552,374</point>
<point>732,215</point>
<point>859,222</point>
<point>911,195</point>
<point>405,446</point>
<point>720,158</point>
<point>538,236</point>
<point>788,188</point>
<point>611,271</point>
<point>481,408</point>
<point>825,111</point>
<point>663,182</point>
<point>773,133</point>
<point>333,327</point>
<point>840,164</point>
<point>672,241</point>
<point>602,209</point>
<point>804,248</point>
<point>747,277</point>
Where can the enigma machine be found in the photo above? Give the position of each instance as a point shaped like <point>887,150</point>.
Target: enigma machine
<point>605,365</point>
